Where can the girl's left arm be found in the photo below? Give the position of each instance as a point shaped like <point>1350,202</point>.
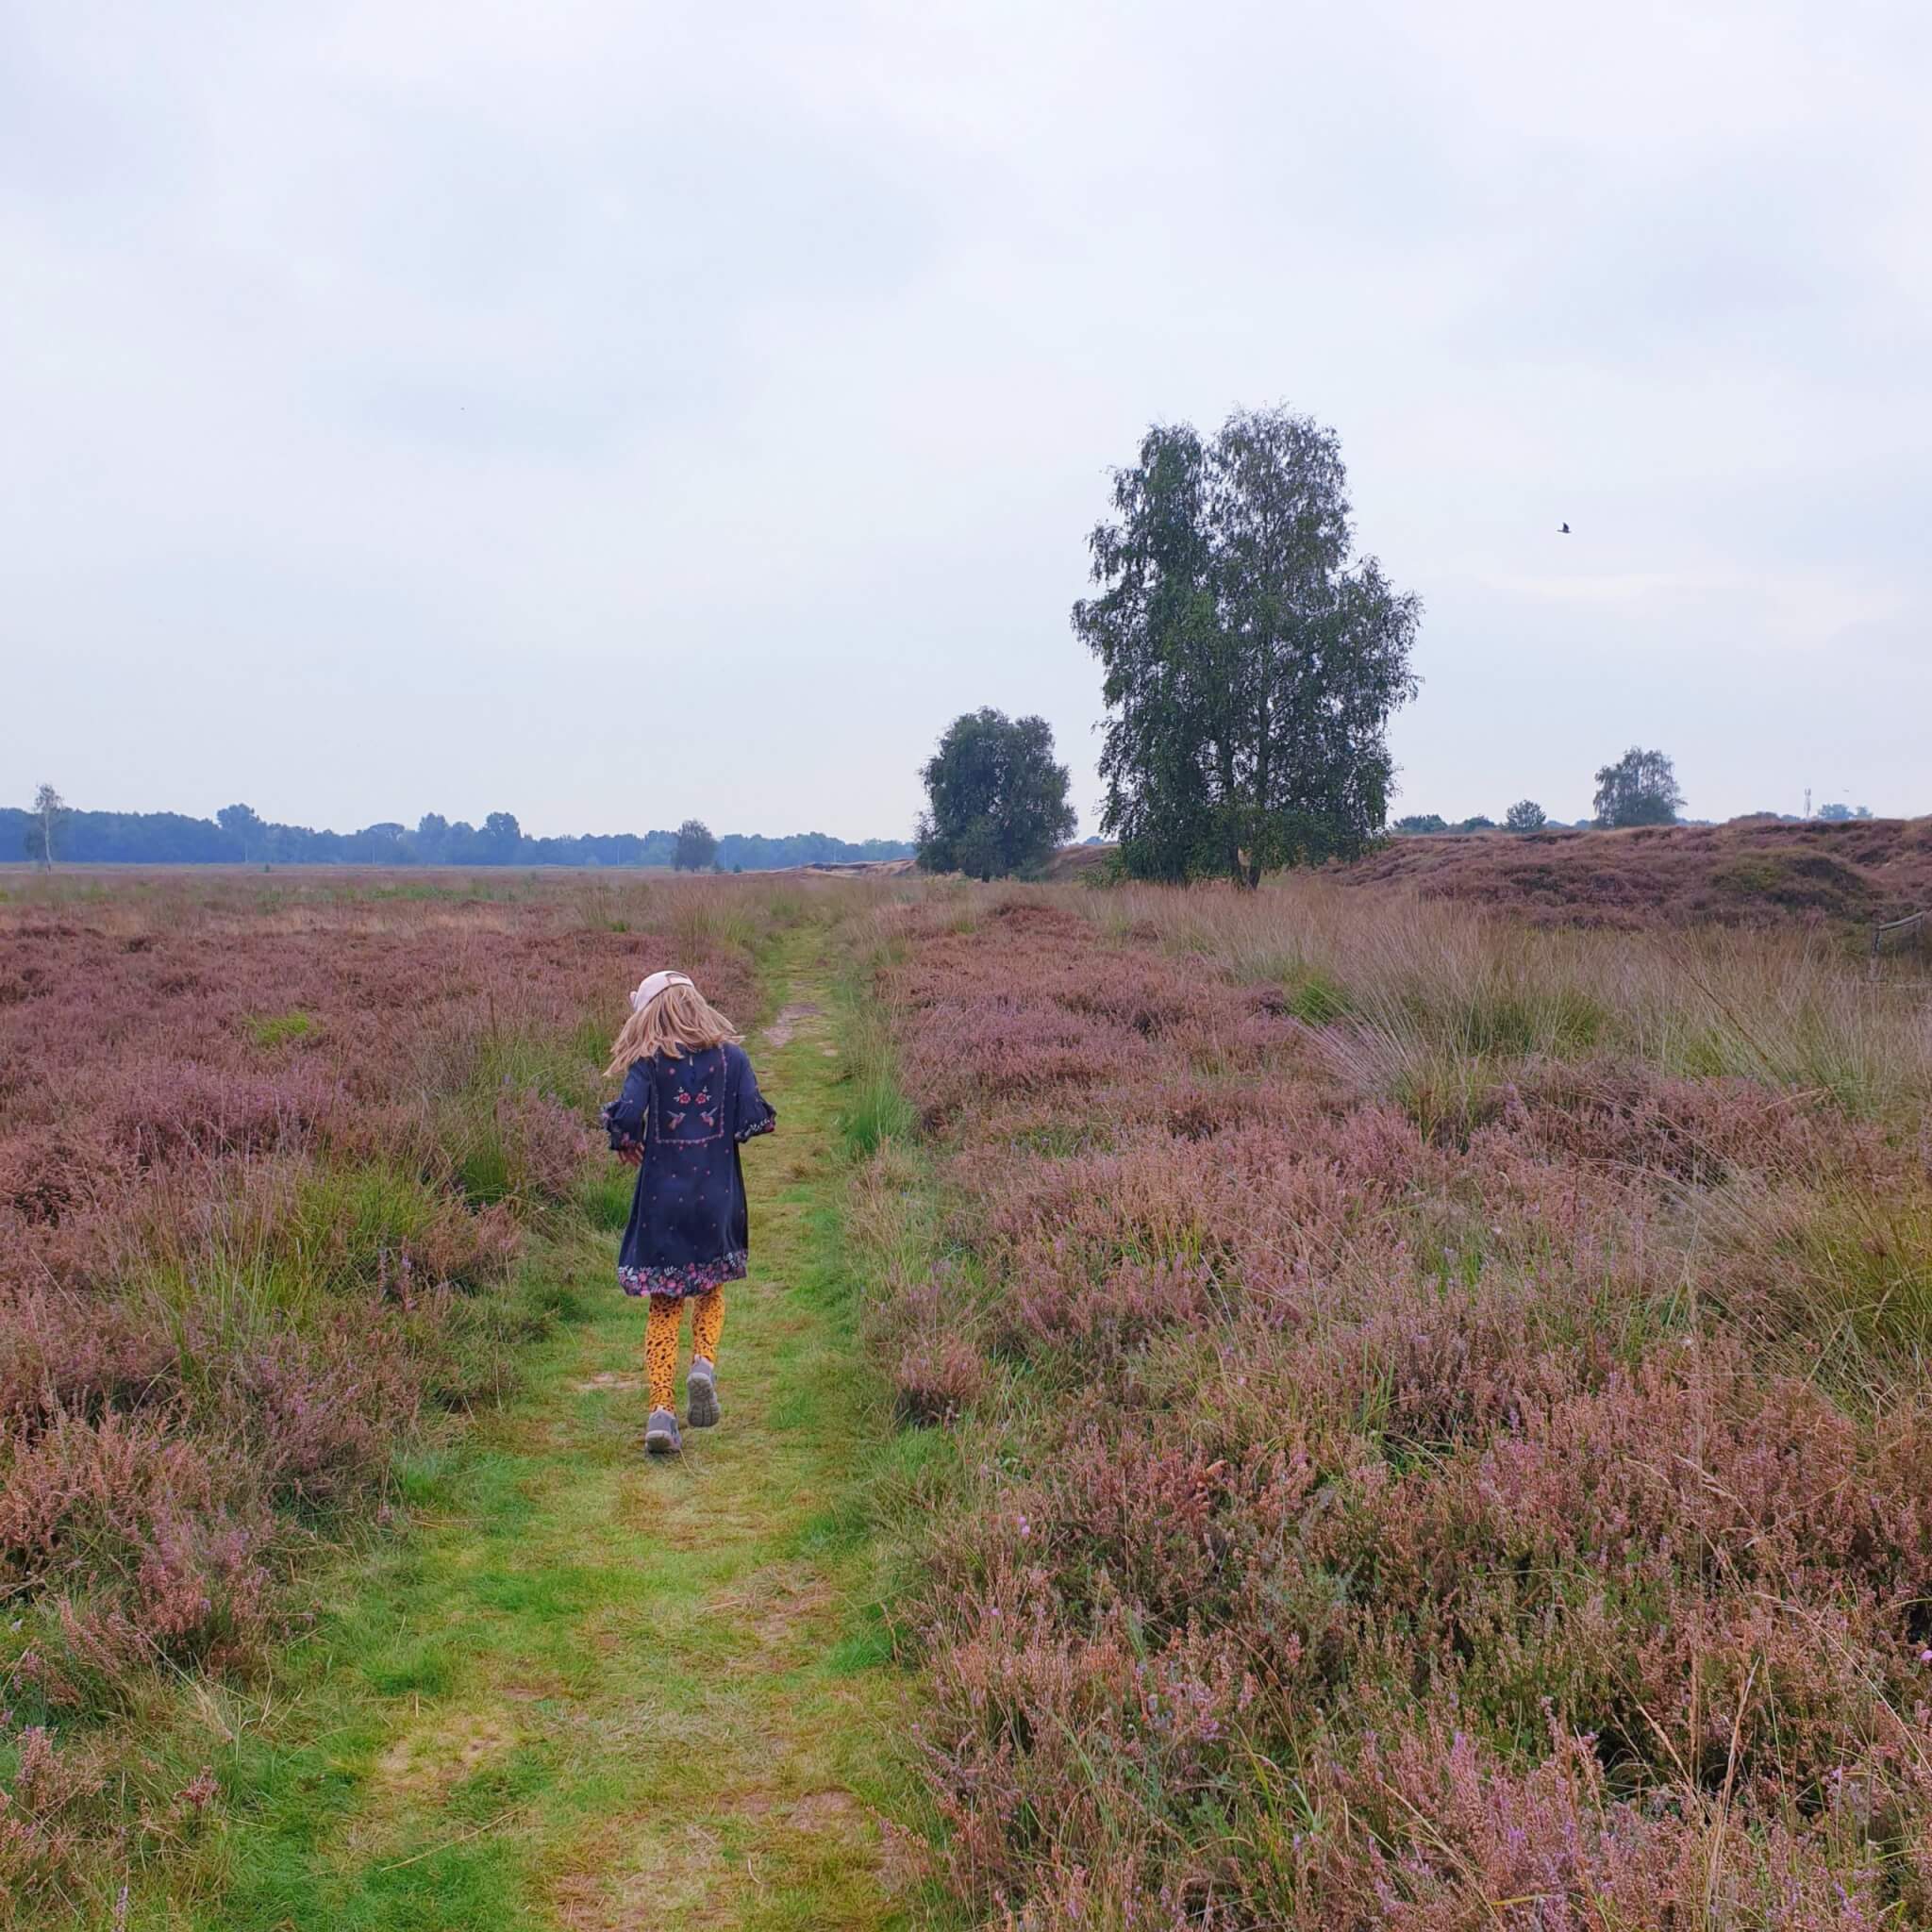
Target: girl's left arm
<point>755,1114</point>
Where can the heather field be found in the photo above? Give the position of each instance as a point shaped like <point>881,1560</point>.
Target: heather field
<point>1322,1409</point>
<point>291,1172</point>
<point>1438,1411</point>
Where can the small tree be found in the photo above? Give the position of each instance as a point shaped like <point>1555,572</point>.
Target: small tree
<point>1640,789</point>
<point>244,825</point>
<point>1478,823</point>
<point>1525,815</point>
<point>1423,821</point>
<point>996,801</point>
<point>502,835</point>
<point>1833,814</point>
<point>46,823</point>
<point>696,847</point>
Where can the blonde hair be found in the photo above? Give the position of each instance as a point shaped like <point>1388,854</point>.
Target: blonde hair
<point>679,1021</point>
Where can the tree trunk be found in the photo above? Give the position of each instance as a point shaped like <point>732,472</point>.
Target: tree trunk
<point>1224,760</point>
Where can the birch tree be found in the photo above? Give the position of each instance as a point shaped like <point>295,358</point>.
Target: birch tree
<point>1251,659</point>
<point>48,821</point>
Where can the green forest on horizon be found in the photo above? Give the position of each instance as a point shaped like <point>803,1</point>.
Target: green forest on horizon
<point>237,835</point>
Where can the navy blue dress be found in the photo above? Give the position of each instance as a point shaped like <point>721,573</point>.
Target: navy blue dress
<point>689,1229</point>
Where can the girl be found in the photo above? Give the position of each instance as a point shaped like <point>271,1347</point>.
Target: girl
<point>689,1102</point>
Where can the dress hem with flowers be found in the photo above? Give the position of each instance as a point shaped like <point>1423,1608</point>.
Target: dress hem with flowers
<point>693,1277</point>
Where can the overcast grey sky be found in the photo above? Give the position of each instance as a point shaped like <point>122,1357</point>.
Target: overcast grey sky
<point>608,412</point>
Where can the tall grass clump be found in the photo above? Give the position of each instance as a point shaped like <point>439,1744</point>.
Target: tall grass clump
<point>1444,1438</point>
<point>1409,983</point>
<point>876,1111</point>
<point>697,918</point>
<point>873,1109</point>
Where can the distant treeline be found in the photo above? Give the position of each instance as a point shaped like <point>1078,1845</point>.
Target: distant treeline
<point>237,835</point>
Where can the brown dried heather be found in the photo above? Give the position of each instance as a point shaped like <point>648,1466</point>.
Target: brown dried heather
<point>269,1149</point>
<point>1443,1418</point>
<point>1752,871</point>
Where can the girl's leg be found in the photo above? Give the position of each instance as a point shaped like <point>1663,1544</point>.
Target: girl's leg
<point>661,1351</point>
<point>701,1385</point>
<point>707,1325</point>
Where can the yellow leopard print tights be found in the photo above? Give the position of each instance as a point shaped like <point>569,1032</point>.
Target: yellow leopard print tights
<point>660,1340</point>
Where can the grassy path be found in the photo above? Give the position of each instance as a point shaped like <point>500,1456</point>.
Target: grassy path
<point>589,1691</point>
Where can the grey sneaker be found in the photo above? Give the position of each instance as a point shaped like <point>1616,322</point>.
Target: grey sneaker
<point>701,1393</point>
<point>660,1433</point>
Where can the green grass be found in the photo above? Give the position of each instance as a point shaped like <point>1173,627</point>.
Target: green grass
<point>874,1109</point>
<point>278,1029</point>
<point>482,1161</point>
<point>1847,1267</point>
<point>1316,996</point>
<point>347,1218</point>
<point>507,1058</point>
<point>605,1199</point>
<point>578,1685</point>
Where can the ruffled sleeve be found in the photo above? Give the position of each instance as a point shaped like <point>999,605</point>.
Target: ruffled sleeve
<point>753,1114</point>
<point>625,1117</point>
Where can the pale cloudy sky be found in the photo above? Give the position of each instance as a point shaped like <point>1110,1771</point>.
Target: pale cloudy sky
<point>610,412</point>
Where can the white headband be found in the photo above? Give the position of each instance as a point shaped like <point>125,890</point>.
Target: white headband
<point>651,986</point>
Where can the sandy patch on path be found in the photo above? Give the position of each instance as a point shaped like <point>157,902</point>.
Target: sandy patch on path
<point>438,1757</point>
<point>791,1024</point>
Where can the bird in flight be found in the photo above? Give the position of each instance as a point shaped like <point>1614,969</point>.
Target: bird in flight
<point>1564,531</point>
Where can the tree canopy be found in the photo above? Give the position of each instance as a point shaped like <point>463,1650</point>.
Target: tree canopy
<point>499,830</point>
<point>996,802</point>
<point>1525,815</point>
<point>243,823</point>
<point>1640,789</point>
<point>696,847</point>
<point>1250,668</point>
